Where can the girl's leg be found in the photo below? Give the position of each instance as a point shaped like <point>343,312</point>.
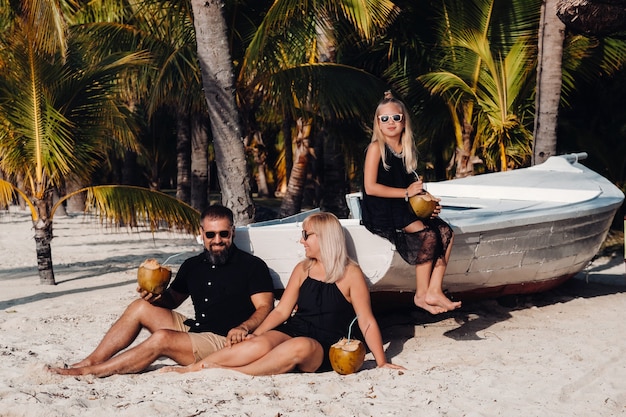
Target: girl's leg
<point>429,293</point>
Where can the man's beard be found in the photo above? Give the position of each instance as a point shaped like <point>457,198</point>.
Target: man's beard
<point>218,257</point>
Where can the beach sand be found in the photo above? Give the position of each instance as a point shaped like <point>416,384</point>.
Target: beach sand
<point>559,353</point>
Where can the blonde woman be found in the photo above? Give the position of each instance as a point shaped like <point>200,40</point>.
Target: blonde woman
<point>389,179</point>
<point>324,294</point>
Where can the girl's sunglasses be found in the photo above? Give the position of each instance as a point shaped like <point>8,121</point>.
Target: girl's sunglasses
<point>305,234</point>
<point>386,118</point>
<point>224,234</point>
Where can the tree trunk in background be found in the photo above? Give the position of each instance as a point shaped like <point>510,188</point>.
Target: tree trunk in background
<point>260,160</point>
<point>218,83</point>
<point>199,161</point>
<point>292,202</point>
<point>183,157</point>
<point>286,129</point>
<point>74,204</point>
<point>333,173</point>
<point>549,78</point>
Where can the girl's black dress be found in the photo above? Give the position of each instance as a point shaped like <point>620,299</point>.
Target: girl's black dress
<point>387,217</point>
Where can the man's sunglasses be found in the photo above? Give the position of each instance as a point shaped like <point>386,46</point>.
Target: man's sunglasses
<point>224,234</point>
<point>305,234</point>
<point>386,118</point>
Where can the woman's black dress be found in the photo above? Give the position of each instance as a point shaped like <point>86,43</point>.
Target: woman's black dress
<point>323,314</point>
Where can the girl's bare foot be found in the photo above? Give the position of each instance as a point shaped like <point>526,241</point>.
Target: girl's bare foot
<point>440,300</point>
<point>432,309</point>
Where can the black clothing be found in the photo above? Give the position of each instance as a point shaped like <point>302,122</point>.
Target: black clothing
<point>323,314</point>
<point>221,293</point>
<point>387,217</point>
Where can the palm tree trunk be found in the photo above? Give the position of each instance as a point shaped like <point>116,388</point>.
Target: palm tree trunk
<point>549,77</point>
<point>260,160</point>
<point>335,185</point>
<point>292,202</point>
<point>183,157</point>
<point>199,161</point>
<point>288,145</point>
<point>43,236</point>
<point>218,82</point>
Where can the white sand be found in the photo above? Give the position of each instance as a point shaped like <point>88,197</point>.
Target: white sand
<point>561,353</point>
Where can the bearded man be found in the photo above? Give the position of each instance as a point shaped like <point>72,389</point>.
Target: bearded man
<point>231,291</point>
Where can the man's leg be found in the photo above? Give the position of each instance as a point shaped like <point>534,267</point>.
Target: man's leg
<point>138,314</point>
<point>173,344</point>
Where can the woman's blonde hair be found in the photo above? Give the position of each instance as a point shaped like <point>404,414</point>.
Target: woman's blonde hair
<point>332,242</point>
<point>409,152</point>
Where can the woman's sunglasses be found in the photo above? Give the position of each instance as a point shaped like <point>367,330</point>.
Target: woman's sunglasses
<point>224,234</point>
<point>305,234</point>
<point>386,118</point>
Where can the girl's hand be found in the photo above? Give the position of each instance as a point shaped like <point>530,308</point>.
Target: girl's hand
<point>415,188</point>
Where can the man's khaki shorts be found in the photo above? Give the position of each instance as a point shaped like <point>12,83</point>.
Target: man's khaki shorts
<point>202,344</point>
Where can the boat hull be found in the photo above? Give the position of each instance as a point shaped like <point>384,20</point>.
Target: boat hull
<point>515,232</point>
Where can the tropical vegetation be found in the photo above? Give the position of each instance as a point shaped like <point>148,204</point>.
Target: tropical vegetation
<point>137,110</point>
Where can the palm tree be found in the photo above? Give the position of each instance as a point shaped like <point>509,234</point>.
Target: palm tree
<point>549,82</point>
<point>482,70</point>
<point>218,82</point>
<point>60,115</point>
<point>290,73</point>
<point>497,95</point>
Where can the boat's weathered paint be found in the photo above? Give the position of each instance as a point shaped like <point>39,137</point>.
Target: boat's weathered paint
<point>518,231</point>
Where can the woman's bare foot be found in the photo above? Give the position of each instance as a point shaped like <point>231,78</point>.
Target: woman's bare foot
<point>67,371</point>
<point>194,367</point>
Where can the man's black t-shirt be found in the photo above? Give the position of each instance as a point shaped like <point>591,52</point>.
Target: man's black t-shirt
<point>221,293</point>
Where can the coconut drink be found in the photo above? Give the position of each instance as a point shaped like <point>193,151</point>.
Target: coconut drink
<point>153,277</point>
<point>347,355</point>
<point>423,205</point>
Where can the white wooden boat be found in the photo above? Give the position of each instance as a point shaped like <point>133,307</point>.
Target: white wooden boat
<point>519,231</point>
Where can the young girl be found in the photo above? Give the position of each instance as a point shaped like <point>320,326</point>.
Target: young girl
<point>389,180</point>
<point>326,290</point>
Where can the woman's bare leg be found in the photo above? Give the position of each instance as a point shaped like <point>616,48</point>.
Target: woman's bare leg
<point>302,352</point>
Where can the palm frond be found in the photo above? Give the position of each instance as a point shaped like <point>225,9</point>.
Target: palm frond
<point>7,193</point>
<point>129,206</point>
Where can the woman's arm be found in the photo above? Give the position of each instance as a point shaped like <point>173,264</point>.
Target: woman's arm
<point>360,299</point>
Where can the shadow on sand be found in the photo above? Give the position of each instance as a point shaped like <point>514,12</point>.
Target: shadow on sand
<point>398,317</point>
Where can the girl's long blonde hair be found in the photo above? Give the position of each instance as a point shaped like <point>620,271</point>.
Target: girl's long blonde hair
<point>409,152</point>
<point>332,242</point>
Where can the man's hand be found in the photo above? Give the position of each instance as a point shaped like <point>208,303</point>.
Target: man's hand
<point>148,296</point>
<point>236,335</point>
